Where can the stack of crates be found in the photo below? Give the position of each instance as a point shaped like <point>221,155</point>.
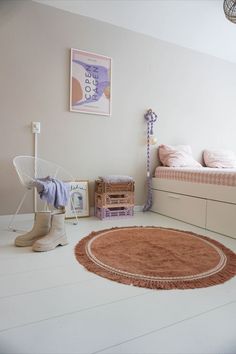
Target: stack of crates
<point>114,199</point>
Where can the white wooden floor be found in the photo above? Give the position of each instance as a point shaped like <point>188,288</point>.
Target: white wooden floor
<point>50,304</point>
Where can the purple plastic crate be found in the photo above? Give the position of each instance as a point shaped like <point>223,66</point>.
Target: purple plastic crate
<point>108,213</point>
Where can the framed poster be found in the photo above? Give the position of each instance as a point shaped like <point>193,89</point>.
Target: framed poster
<point>79,201</point>
<point>90,83</point>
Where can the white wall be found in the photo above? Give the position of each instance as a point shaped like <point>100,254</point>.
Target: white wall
<point>192,93</point>
<point>193,24</point>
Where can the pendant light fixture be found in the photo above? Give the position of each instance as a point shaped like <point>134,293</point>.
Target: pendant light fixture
<point>230,10</point>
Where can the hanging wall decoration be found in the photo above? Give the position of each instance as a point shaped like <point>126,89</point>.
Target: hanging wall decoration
<point>90,83</point>
<point>150,118</point>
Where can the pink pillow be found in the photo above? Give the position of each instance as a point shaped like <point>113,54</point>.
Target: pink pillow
<point>177,156</point>
<point>219,158</point>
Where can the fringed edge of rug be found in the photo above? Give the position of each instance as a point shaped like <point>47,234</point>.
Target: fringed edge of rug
<point>222,276</point>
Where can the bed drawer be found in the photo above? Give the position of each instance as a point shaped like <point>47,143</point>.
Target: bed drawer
<point>189,209</point>
<point>221,217</point>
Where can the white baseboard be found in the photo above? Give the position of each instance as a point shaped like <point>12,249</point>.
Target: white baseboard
<point>138,208</point>
<point>30,216</point>
<point>21,217</point>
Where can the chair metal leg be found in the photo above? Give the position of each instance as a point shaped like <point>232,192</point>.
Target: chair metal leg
<point>73,207</point>
<point>10,227</point>
<point>46,207</point>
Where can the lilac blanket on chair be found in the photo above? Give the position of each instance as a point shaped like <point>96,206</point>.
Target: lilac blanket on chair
<point>52,190</point>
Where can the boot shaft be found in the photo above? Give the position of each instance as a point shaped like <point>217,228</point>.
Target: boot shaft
<point>57,222</point>
<point>42,221</point>
<point>40,228</point>
<point>56,236</point>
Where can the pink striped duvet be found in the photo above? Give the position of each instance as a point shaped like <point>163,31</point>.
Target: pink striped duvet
<point>224,177</point>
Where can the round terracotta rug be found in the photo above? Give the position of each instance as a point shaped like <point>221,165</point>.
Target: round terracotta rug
<point>156,258</point>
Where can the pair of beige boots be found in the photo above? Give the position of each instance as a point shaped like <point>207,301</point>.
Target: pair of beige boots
<point>47,233</point>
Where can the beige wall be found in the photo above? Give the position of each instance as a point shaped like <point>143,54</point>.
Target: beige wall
<point>192,93</point>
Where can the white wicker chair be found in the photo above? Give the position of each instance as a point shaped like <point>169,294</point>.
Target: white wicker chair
<point>28,168</point>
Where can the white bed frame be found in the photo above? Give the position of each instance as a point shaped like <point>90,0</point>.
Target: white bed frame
<point>209,206</point>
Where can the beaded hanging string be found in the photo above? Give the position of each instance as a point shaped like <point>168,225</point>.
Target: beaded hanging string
<point>150,117</point>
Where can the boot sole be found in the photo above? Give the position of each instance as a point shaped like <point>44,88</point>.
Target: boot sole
<point>23,244</point>
<point>27,244</point>
<point>60,242</point>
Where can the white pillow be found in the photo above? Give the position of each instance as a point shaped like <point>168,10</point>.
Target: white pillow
<point>177,156</point>
<point>219,158</point>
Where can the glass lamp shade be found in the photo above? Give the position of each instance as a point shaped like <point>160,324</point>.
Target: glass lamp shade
<point>153,140</point>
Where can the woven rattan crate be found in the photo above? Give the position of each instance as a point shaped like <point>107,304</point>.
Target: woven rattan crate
<point>112,199</point>
<point>105,187</point>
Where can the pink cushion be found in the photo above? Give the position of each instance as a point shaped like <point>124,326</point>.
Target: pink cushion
<point>177,156</point>
<point>219,158</point>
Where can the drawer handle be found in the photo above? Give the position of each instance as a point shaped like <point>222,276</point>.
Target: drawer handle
<point>173,196</point>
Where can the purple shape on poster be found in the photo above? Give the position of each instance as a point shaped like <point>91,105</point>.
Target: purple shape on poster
<point>96,76</point>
